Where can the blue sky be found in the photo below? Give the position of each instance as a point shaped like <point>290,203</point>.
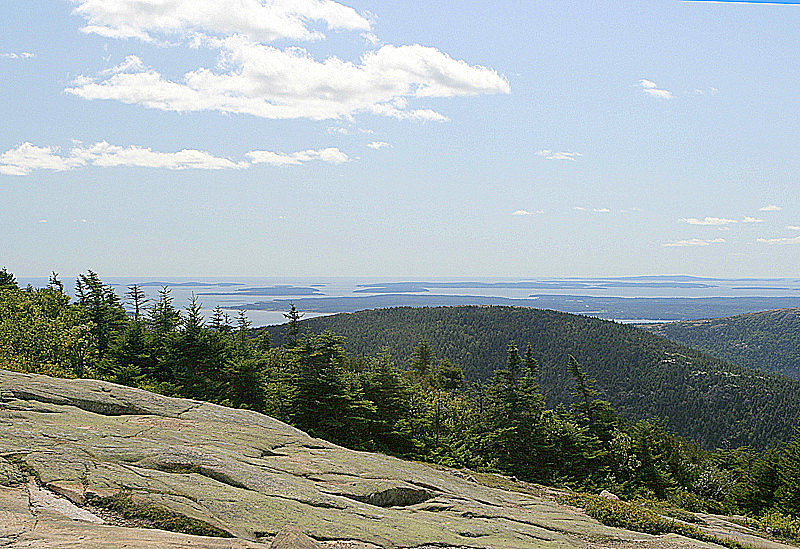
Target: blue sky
<point>308,137</point>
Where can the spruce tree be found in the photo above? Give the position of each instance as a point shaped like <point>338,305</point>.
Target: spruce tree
<point>137,300</point>
<point>7,280</point>
<point>293,326</point>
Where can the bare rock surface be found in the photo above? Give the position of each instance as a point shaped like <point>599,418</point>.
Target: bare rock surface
<point>244,475</point>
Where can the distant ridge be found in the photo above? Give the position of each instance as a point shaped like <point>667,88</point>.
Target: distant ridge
<point>767,340</point>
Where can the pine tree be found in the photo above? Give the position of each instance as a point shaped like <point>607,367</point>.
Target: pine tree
<point>293,327</point>
<point>422,361</point>
<point>263,342</point>
<point>513,419</point>
<point>242,329</point>
<point>7,280</point>
<point>217,319</point>
<point>164,317</point>
<point>104,308</point>
<point>54,283</point>
<point>138,300</point>
<point>788,494</point>
<point>322,405</point>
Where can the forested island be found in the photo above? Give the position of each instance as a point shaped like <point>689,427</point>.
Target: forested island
<point>494,412</point>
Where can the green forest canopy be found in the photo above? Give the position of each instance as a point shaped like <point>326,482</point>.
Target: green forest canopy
<point>641,374</point>
<point>768,341</point>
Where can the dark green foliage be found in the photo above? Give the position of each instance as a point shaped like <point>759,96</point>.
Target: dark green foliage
<point>640,374</point>
<point>788,492</point>
<point>514,418</point>
<point>104,309</point>
<point>768,341</point>
<point>137,300</point>
<point>7,280</point>
<point>322,403</point>
<point>292,326</point>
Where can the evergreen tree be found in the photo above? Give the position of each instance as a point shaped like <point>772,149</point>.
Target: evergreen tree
<point>7,280</point>
<point>788,494</point>
<point>293,326</point>
<point>216,319</point>
<point>513,419</point>
<point>263,342</point>
<point>242,329</point>
<point>137,300</point>
<point>322,404</point>
<point>385,386</point>
<point>53,283</point>
<point>164,317</point>
<point>422,361</point>
<point>104,308</point>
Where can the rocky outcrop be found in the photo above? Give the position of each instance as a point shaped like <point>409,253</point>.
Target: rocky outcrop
<point>85,463</point>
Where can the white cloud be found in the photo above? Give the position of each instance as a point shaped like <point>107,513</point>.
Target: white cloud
<point>553,155</point>
<point>14,55</point>
<point>694,242</point>
<point>268,82</point>
<point>709,91</point>
<point>716,221</point>
<point>786,240</point>
<point>106,155</point>
<point>370,38</point>
<point>331,155</point>
<point>749,219</point>
<point>793,227</point>
<point>378,145</point>
<point>596,210</point>
<point>27,157</point>
<point>527,212</point>
<point>258,20</point>
<point>649,87</point>
<point>770,208</point>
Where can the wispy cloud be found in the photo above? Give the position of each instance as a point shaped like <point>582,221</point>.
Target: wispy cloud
<point>770,208</point>
<point>709,91</point>
<point>714,221</point>
<point>554,155</point>
<point>27,158</point>
<point>378,145</point>
<point>14,55</point>
<point>749,219</point>
<point>331,155</point>
<point>527,212</point>
<point>650,88</point>
<point>337,130</point>
<point>785,240</point>
<point>793,227</point>
<point>156,20</point>
<point>596,210</point>
<point>694,242</point>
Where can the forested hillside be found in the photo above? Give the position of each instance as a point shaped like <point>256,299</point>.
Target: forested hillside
<point>641,374</point>
<point>768,341</point>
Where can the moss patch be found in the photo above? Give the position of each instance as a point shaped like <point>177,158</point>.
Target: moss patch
<point>639,519</point>
<point>156,517</point>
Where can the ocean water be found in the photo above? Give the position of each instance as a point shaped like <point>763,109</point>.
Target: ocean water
<point>266,299</point>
